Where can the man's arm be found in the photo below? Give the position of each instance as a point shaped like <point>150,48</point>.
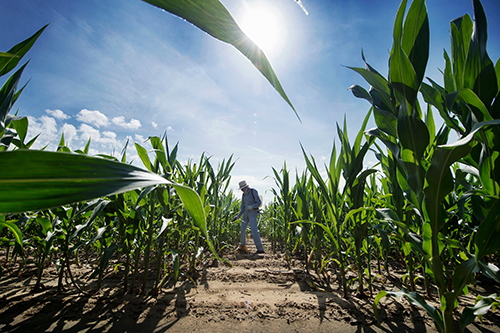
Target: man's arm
<point>242,209</point>
<point>256,199</point>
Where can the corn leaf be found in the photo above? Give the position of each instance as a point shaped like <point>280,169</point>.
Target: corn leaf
<point>377,81</point>
<point>463,275</point>
<point>488,233</point>
<point>479,73</point>
<point>213,18</point>
<point>482,306</point>
<point>470,98</point>
<point>489,164</point>
<point>143,155</point>
<point>449,81</point>
<point>415,39</point>
<point>15,54</point>
<point>414,299</point>
<point>18,236</point>
<point>461,31</point>
<point>8,94</point>
<point>32,180</point>
<point>439,177</point>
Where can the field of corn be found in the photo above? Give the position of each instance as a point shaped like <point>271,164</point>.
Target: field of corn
<point>430,207</point>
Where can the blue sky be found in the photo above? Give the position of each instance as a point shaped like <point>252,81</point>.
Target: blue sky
<point>118,69</point>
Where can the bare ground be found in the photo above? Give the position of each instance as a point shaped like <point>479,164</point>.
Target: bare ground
<point>258,293</point>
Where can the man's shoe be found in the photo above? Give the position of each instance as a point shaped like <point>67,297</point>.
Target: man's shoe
<point>243,250</point>
<point>260,252</point>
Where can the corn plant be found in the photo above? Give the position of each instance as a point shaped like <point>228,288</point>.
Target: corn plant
<point>421,165</point>
<point>283,210</point>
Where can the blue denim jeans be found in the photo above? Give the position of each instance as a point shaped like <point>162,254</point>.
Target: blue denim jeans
<point>255,232</point>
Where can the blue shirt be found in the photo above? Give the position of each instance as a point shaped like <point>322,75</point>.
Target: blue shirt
<point>250,199</point>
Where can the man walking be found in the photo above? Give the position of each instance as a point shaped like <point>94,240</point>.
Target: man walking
<point>250,203</point>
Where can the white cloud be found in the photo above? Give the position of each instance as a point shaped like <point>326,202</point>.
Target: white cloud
<point>120,121</point>
<point>70,133</point>
<point>45,126</point>
<point>155,125</point>
<point>108,134</point>
<point>139,138</point>
<point>89,132</point>
<point>58,114</point>
<point>109,138</point>
<point>106,138</point>
<point>95,118</point>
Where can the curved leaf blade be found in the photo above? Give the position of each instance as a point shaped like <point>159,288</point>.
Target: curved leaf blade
<point>32,180</point>
<point>213,18</point>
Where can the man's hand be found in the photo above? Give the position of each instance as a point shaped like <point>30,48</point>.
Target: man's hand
<point>249,208</point>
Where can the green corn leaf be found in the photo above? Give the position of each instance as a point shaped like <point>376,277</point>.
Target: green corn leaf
<point>461,31</point>
<point>18,236</point>
<point>449,81</point>
<point>482,306</point>
<point>463,275</point>
<point>489,164</point>
<point>358,188</point>
<point>8,63</point>
<point>488,233</point>
<point>439,177</point>
<point>427,239</point>
<point>378,82</point>
<point>103,263</point>
<point>98,205</point>
<point>497,71</point>
<point>357,142</point>
<point>402,76</point>
<point>433,96</point>
<point>8,94</point>
<point>397,33</point>
<point>490,270</point>
<point>479,73</point>
<point>440,180</point>
<point>160,153</point>
<point>21,126</point>
<point>7,55</point>
<point>431,125</point>
<point>143,155</point>
<point>495,108</point>
<point>414,299</point>
<point>45,223</point>
<point>194,206</point>
<point>413,135</point>
<point>213,18</point>
<point>32,180</point>
<point>360,92</point>
<point>415,39</point>
<point>393,147</point>
<point>175,261</point>
<point>470,98</point>
<point>87,146</point>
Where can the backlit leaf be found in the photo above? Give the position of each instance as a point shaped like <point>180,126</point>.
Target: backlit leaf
<point>213,18</point>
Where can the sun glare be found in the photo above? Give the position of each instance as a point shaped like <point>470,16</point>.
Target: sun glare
<point>264,25</point>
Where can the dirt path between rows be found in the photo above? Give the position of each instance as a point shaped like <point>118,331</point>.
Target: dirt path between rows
<point>258,293</point>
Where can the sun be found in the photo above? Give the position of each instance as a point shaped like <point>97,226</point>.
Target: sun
<point>264,25</point>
